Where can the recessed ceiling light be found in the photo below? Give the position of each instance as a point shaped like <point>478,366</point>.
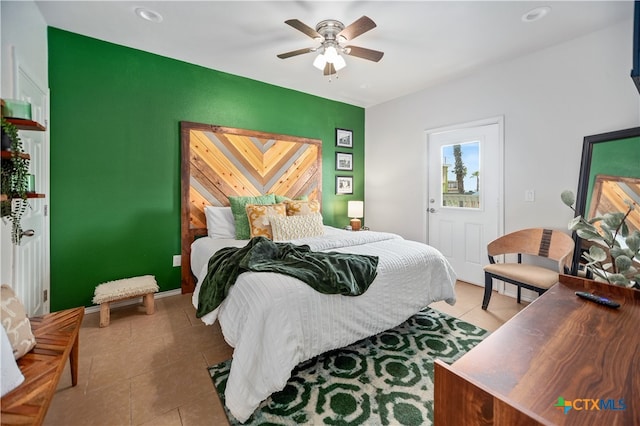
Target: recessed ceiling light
<point>148,15</point>
<point>536,14</point>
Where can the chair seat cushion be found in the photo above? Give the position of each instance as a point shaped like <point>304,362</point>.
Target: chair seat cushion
<point>528,274</point>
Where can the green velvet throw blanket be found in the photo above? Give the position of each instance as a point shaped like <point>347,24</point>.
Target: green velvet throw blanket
<point>326,272</point>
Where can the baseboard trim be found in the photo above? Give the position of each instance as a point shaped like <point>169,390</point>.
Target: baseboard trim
<point>134,301</point>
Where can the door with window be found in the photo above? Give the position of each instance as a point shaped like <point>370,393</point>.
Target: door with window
<point>464,203</point>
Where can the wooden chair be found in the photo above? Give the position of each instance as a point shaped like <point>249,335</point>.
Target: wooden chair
<point>546,243</point>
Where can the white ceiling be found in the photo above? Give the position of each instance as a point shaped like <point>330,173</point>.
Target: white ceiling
<point>425,42</point>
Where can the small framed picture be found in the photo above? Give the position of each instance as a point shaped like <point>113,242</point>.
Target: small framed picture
<point>344,138</point>
<point>344,184</point>
<point>344,161</point>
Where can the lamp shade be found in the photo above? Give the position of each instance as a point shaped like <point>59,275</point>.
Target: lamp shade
<point>330,53</point>
<point>339,63</point>
<point>355,209</point>
<point>320,62</point>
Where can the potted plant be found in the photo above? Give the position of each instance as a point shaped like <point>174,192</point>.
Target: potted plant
<point>14,182</point>
<point>608,259</point>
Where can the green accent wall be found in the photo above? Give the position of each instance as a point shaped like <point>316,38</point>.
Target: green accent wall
<point>115,155</point>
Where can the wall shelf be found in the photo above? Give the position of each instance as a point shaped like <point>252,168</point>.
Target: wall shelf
<point>8,154</point>
<point>22,124</point>
<point>5,197</point>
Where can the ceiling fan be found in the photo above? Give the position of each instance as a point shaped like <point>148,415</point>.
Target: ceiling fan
<point>332,34</point>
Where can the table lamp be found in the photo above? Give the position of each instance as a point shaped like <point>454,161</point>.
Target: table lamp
<point>355,210</point>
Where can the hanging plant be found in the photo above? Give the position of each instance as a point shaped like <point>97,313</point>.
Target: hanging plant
<point>14,182</point>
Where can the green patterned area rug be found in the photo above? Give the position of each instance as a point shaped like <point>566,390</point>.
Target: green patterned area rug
<point>386,379</point>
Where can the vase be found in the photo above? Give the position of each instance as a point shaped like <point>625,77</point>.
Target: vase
<point>6,141</point>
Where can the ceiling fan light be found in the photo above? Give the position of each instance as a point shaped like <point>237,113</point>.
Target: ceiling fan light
<point>339,63</point>
<point>320,62</point>
<point>331,54</point>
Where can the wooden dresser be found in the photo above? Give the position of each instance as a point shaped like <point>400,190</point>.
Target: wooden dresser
<point>560,346</point>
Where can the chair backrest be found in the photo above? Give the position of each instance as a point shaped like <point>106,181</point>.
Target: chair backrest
<point>549,243</point>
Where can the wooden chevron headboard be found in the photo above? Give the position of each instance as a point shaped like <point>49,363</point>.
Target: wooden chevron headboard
<point>221,161</point>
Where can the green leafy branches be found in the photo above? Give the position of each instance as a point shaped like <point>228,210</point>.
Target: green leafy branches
<point>607,258</point>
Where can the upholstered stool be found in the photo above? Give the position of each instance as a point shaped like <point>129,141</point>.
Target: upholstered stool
<point>128,288</point>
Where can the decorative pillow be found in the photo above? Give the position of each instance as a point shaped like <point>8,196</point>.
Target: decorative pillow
<point>299,207</point>
<point>240,214</point>
<point>294,227</point>
<point>220,222</point>
<point>282,198</point>
<point>259,218</point>
<point>15,321</point>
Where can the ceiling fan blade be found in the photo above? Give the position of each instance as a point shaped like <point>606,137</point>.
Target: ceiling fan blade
<point>294,53</point>
<point>302,27</point>
<point>364,53</point>
<point>329,69</point>
<point>360,26</point>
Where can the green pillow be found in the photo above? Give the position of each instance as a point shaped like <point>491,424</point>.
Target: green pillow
<point>240,214</point>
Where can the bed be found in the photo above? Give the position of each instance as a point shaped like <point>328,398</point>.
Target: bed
<point>274,321</point>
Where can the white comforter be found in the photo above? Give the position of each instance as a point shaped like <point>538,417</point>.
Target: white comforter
<point>274,321</point>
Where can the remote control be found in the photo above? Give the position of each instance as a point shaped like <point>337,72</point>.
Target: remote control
<point>598,299</point>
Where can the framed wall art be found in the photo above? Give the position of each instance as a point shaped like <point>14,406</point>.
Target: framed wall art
<point>344,185</point>
<point>344,161</point>
<point>344,138</point>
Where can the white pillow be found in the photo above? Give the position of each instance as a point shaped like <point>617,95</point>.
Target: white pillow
<point>10,375</point>
<point>220,223</point>
<point>293,227</point>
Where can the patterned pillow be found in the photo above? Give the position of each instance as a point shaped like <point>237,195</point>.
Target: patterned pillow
<point>299,207</point>
<point>259,215</point>
<point>282,198</point>
<point>294,227</point>
<point>15,322</point>
<point>240,214</point>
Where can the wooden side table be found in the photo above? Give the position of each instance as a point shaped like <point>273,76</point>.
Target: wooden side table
<point>561,361</point>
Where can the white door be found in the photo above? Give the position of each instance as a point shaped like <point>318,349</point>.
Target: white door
<point>464,203</point>
<point>31,256</point>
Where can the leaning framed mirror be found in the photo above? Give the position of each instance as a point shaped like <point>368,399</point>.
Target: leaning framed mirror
<point>609,175</point>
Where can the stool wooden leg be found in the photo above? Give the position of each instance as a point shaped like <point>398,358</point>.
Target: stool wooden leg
<point>73,360</point>
<point>149,303</point>
<point>104,314</point>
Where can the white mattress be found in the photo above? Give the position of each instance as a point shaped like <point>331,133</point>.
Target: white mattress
<point>274,321</point>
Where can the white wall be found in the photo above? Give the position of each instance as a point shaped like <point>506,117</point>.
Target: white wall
<point>25,31</point>
<point>550,100</point>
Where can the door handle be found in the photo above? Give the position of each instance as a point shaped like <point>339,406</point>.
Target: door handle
<point>28,233</point>
<point>432,210</point>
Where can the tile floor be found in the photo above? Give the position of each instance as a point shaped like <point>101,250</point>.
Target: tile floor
<point>151,370</point>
